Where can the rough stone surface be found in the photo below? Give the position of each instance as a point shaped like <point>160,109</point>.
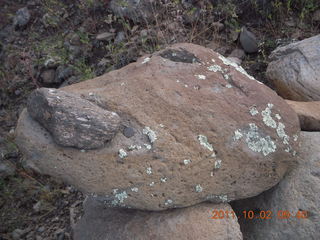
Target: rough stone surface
<point>308,113</point>
<point>298,191</point>
<point>203,131</point>
<point>294,70</point>
<point>6,169</point>
<point>21,18</point>
<point>72,121</point>
<point>191,223</point>
<point>138,11</point>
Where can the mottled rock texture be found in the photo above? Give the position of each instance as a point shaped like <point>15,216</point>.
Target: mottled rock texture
<point>298,191</point>
<point>71,120</point>
<point>309,114</point>
<point>193,223</point>
<point>200,131</point>
<point>294,70</point>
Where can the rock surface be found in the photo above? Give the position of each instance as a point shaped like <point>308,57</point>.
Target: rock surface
<point>298,191</point>
<point>294,70</point>
<point>191,223</point>
<point>202,129</point>
<point>308,113</point>
<point>248,41</point>
<point>71,120</point>
<point>21,18</point>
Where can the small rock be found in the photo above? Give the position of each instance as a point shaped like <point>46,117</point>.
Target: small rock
<point>238,53</point>
<point>308,113</point>
<point>36,207</point>
<point>248,41</point>
<point>106,36</point>
<point>128,132</point>
<point>48,76</point>
<point>62,73</point>
<point>22,18</point>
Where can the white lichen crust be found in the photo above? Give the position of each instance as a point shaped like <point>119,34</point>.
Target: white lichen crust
<point>198,188</point>
<point>204,142</point>
<point>122,153</point>
<point>150,133</point>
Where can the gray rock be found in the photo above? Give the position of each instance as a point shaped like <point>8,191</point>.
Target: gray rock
<point>106,36</point>
<point>136,10</point>
<point>21,18</point>
<point>237,53</point>
<point>62,73</point>
<point>294,70</point>
<point>100,223</point>
<point>120,37</point>
<point>72,121</point>
<point>298,191</point>
<point>248,41</point>
<point>128,132</point>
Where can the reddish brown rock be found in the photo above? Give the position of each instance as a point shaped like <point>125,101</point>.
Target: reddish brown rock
<point>309,114</point>
<point>201,129</point>
<point>193,223</point>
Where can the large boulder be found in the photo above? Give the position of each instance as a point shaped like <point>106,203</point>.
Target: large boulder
<point>294,70</point>
<point>298,194</point>
<point>194,127</point>
<point>308,113</point>
<point>100,223</point>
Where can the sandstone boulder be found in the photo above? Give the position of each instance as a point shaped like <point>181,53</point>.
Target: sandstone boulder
<point>309,114</point>
<point>294,70</point>
<point>71,120</point>
<point>194,127</point>
<point>100,223</point>
<point>298,193</point>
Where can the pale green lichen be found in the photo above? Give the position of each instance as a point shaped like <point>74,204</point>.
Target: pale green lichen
<point>257,143</point>
<point>151,184</point>
<point>134,147</point>
<point>200,77</point>
<point>150,133</point>
<point>267,119</point>
<point>204,142</point>
<point>148,146</point>
<point>237,135</point>
<point>119,197</point>
<point>215,68</point>
<point>149,170</point>
<point>217,164</point>
<point>278,116</point>
<point>164,179</point>
<point>253,111</point>
<point>134,189</point>
<point>198,188</point>
<point>168,202</point>
<point>186,161</point>
<point>295,138</point>
<point>228,86</point>
<point>122,153</point>
<point>226,76</point>
<point>145,60</point>
<point>282,134</point>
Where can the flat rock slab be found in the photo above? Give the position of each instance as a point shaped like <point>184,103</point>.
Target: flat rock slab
<point>294,70</point>
<point>309,114</point>
<point>71,120</point>
<point>298,193</point>
<point>100,223</point>
<point>199,131</point>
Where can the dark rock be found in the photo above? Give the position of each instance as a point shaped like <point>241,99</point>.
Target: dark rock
<point>72,121</point>
<point>6,169</point>
<point>181,55</point>
<point>248,41</point>
<point>128,132</point>
<point>22,18</point>
<point>70,81</point>
<point>62,73</point>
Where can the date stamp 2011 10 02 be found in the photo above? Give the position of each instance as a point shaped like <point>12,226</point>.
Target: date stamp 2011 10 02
<point>258,214</point>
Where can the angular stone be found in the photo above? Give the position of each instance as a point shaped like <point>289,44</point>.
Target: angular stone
<point>248,41</point>
<point>298,193</point>
<point>204,131</point>
<point>71,120</point>
<point>309,114</point>
<point>294,70</point>
<point>100,223</point>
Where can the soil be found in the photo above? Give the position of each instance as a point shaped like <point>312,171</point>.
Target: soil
<point>60,46</point>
